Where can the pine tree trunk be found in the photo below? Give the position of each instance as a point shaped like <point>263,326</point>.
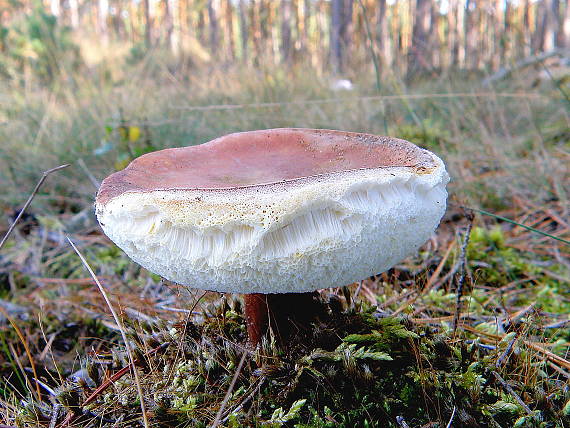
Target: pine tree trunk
<point>74,13</point>
<point>286,31</point>
<point>147,24</point>
<point>167,23</point>
<point>336,30</point>
<point>102,16</point>
<point>420,49</point>
<point>460,35</point>
<point>452,33</point>
<point>471,39</point>
<point>55,7</point>
<point>214,37</point>
<point>174,39</point>
<point>229,32</point>
<point>255,30</point>
<point>540,27</point>
<point>496,45</point>
<point>243,30</point>
<point>526,30</point>
<point>383,39</point>
<point>347,31</point>
<point>506,37</point>
<point>565,26</point>
<point>550,24</point>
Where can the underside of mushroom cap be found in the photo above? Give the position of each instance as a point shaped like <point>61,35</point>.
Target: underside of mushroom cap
<point>275,211</point>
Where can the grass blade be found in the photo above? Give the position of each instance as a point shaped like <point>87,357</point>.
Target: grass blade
<point>508,220</point>
<point>121,328</point>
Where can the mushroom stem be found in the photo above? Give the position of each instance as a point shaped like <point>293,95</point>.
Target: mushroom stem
<point>256,316</point>
<point>285,313</point>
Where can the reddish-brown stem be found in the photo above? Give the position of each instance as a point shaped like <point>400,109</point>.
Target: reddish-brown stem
<point>285,313</point>
<point>256,316</point>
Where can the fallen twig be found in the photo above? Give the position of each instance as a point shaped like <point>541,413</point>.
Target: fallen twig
<point>54,415</point>
<point>511,391</point>
<point>29,201</point>
<point>462,270</point>
<point>88,173</point>
<point>121,328</point>
<point>559,370</point>
<point>497,338</point>
<point>525,62</point>
<point>229,391</point>
<point>507,351</point>
<point>244,401</point>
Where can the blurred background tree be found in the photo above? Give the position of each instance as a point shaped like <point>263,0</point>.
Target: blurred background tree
<point>411,36</point>
<point>36,42</point>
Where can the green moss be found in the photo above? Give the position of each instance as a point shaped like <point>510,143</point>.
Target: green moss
<point>378,369</point>
<point>495,263</point>
<point>430,135</point>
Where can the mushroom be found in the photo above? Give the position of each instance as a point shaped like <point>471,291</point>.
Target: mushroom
<point>275,211</point>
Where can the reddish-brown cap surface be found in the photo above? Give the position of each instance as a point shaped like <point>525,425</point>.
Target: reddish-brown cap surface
<point>261,157</point>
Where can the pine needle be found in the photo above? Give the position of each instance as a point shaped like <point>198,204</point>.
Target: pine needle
<point>508,220</point>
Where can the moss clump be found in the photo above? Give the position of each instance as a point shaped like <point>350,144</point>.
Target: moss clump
<point>350,368</point>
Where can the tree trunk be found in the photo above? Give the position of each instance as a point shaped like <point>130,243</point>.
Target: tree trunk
<point>383,39</point>
<point>506,38</point>
<point>264,27</point>
<point>214,37</point>
<point>540,26</point>
<point>55,7</point>
<point>243,29</point>
<point>460,35</point>
<point>174,36</point>
<point>255,31</point>
<point>471,37</point>
<point>452,25</point>
<point>498,26</point>
<point>286,31</point>
<point>147,24</point>
<point>74,13</point>
<point>167,22</point>
<point>102,16</point>
<point>566,27</point>
<point>230,45</point>
<point>336,30</point>
<point>551,24</point>
<point>347,31</point>
<point>304,25</point>
<point>526,30</point>
<point>434,41</point>
<point>420,49</point>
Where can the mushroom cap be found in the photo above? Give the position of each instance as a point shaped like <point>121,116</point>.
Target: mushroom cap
<point>275,211</point>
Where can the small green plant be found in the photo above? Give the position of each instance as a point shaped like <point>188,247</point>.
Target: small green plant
<point>128,141</point>
<point>280,417</point>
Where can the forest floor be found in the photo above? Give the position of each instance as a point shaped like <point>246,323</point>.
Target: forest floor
<point>472,331</point>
